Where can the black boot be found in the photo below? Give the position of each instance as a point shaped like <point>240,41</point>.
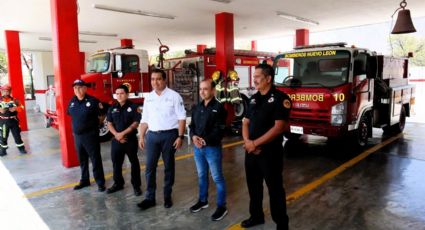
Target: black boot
<point>22,150</point>
<point>3,152</point>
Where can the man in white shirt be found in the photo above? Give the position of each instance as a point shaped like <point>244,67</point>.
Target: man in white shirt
<point>164,119</point>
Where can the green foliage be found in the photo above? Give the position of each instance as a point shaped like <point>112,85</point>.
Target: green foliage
<point>3,63</point>
<point>403,44</point>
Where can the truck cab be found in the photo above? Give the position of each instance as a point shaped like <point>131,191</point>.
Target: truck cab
<point>340,91</point>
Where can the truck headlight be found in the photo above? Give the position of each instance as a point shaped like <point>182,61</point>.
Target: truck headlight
<point>339,113</point>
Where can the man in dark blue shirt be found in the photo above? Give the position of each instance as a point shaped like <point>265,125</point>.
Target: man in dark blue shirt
<point>262,131</point>
<point>123,119</point>
<point>84,110</point>
<point>206,131</point>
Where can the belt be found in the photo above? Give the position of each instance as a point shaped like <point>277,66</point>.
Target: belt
<point>164,131</point>
<point>5,118</point>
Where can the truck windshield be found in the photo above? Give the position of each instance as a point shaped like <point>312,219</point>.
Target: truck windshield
<point>324,68</point>
<point>99,63</point>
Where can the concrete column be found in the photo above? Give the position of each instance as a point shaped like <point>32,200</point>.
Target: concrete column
<point>225,51</point>
<point>67,65</point>
<point>254,45</point>
<point>14,65</point>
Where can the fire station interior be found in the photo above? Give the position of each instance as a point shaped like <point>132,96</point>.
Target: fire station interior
<point>353,149</point>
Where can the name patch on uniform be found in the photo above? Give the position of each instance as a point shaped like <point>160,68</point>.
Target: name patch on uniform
<point>115,110</point>
<point>88,104</point>
<point>129,109</point>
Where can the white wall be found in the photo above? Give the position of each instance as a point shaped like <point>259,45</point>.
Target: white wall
<point>43,66</point>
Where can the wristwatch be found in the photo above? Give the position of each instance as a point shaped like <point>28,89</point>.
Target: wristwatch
<point>181,137</point>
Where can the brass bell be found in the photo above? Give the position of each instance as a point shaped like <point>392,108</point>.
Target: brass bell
<point>404,23</point>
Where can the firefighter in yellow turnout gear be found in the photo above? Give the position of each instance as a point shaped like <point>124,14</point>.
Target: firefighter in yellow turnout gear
<point>220,86</point>
<point>233,94</point>
<point>9,108</point>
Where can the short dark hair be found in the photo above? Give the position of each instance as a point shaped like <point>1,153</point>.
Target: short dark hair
<point>124,87</point>
<point>162,72</point>
<point>212,83</point>
<point>266,69</point>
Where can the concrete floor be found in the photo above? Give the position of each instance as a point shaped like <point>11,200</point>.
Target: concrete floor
<point>383,191</point>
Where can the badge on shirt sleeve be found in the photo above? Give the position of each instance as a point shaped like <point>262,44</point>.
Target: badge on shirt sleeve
<point>271,100</point>
<point>129,109</point>
<point>88,104</point>
<point>252,101</point>
<point>286,104</point>
<point>72,104</point>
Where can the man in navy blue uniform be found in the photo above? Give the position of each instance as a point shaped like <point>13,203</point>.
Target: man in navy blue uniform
<point>123,119</point>
<point>84,110</point>
<point>262,131</point>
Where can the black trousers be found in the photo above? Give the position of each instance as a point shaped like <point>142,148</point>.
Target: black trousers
<point>88,146</point>
<point>118,152</point>
<point>158,143</point>
<point>268,166</point>
<point>7,126</point>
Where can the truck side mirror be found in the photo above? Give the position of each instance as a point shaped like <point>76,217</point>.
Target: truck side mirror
<point>372,67</point>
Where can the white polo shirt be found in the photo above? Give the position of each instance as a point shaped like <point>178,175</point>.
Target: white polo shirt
<point>162,112</point>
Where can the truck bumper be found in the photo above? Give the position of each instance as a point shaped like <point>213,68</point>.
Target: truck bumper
<point>314,128</point>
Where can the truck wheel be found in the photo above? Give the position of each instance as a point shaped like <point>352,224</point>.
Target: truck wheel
<point>399,127</point>
<point>104,134</point>
<point>362,133</point>
<point>241,108</point>
<point>292,136</point>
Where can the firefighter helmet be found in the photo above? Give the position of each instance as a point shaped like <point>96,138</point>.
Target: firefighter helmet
<point>6,87</point>
<point>232,75</point>
<point>216,76</point>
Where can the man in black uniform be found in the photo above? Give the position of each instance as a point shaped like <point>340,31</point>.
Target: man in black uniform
<point>262,132</point>
<point>123,120</point>
<point>84,110</point>
<point>9,108</point>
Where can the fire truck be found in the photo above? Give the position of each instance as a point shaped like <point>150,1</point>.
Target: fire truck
<point>106,70</point>
<point>186,72</point>
<point>339,91</point>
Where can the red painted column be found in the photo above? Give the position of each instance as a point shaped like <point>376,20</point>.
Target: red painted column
<point>224,42</point>
<point>224,56</point>
<point>82,62</point>
<point>253,45</point>
<point>67,66</point>
<point>302,37</point>
<point>14,65</point>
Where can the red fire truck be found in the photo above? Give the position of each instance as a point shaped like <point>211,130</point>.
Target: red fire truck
<point>339,91</point>
<point>107,69</point>
<point>186,72</point>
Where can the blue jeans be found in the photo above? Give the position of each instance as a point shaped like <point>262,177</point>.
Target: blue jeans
<point>209,157</point>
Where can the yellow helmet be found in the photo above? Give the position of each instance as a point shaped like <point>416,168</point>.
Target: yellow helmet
<point>216,76</point>
<point>233,75</point>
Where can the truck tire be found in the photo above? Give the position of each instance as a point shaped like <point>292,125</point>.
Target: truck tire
<point>362,133</point>
<point>241,108</point>
<point>104,133</point>
<point>292,136</point>
<point>399,127</point>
